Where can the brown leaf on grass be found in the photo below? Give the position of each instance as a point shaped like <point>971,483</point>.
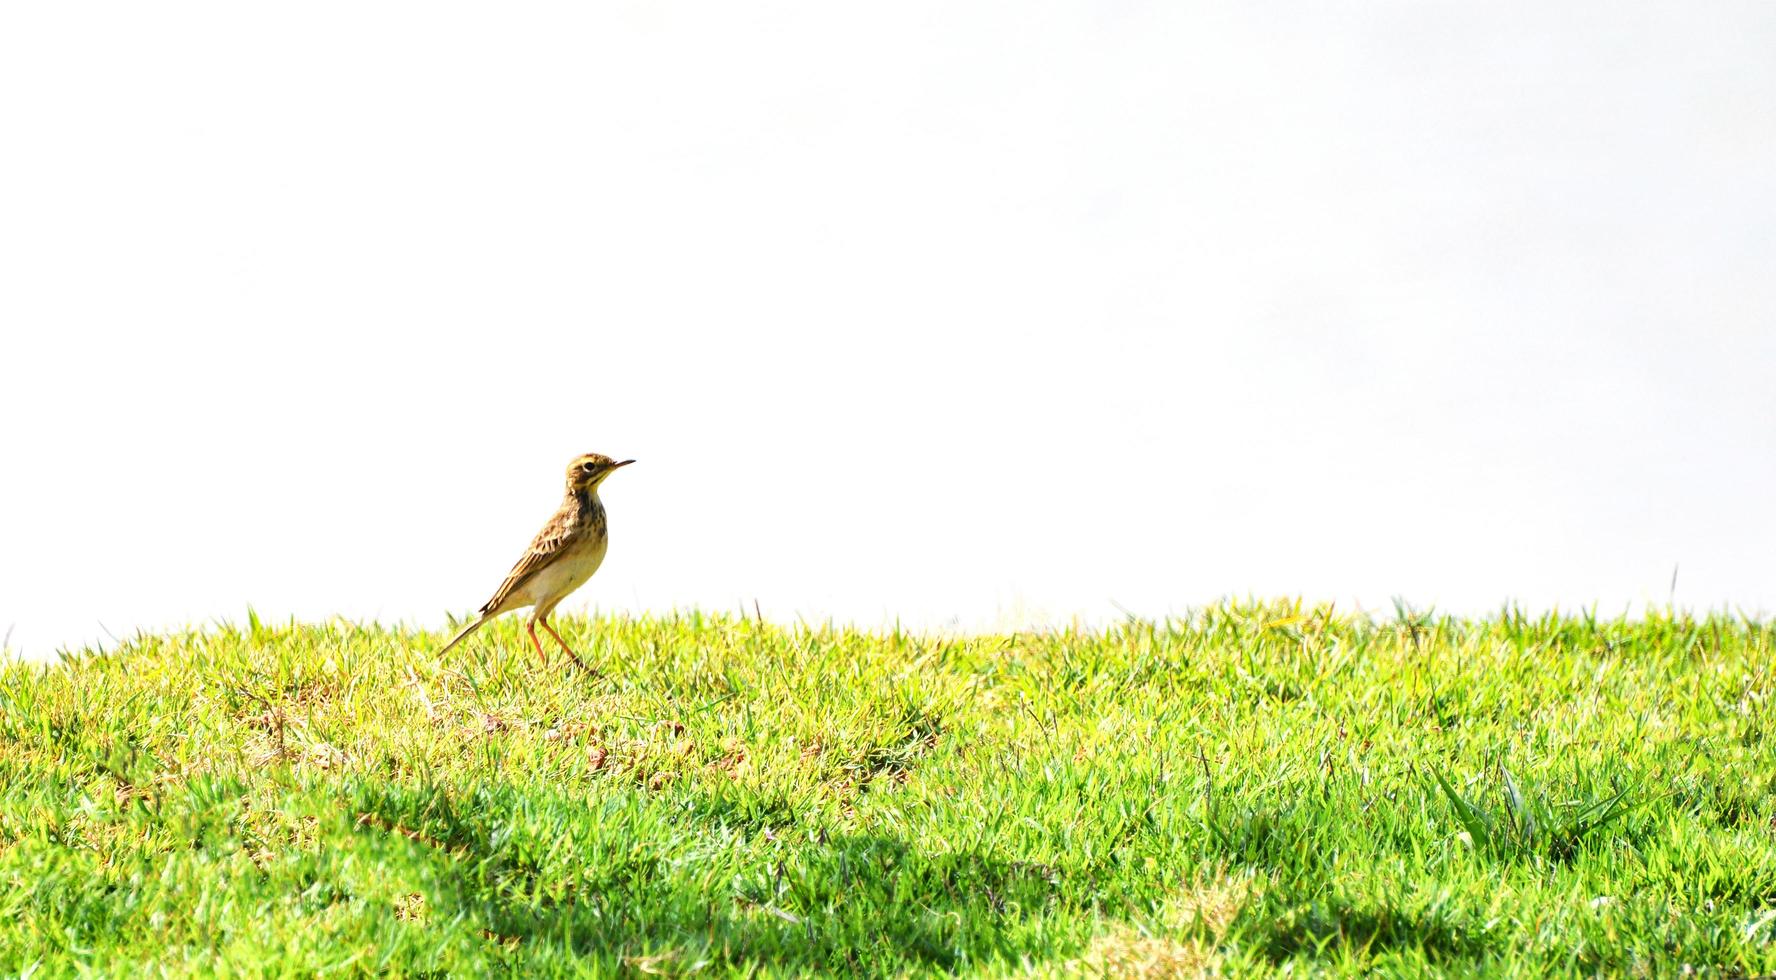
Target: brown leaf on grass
<point>735,760</point>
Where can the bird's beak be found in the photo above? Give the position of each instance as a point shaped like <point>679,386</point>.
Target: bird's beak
<point>624,463</point>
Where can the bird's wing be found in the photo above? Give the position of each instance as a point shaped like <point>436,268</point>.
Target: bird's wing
<point>551,541</point>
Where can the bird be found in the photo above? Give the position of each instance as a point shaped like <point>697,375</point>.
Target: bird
<point>565,553</point>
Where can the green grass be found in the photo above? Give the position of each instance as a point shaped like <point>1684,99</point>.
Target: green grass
<point>1250,789</point>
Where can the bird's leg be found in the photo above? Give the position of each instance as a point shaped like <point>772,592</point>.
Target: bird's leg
<point>571,655</point>
<point>538,643</point>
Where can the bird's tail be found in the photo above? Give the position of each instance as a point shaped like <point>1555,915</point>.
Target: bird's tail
<point>461,634</point>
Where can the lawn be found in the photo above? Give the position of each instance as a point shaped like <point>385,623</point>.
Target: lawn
<point>1247,790</point>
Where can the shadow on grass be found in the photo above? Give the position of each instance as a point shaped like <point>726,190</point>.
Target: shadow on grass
<point>1318,929</point>
<point>707,891</point>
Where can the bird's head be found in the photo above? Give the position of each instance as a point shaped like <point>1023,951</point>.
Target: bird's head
<point>586,472</point>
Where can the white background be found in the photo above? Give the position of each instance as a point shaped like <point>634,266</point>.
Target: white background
<point>980,315</point>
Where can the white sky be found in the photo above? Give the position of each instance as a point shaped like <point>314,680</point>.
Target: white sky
<point>973,314</point>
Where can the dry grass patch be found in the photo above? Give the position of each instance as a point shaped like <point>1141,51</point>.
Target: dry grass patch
<point>1125,952</point>
<point>1183,942</point>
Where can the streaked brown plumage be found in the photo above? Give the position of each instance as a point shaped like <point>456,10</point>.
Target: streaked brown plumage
<point>563,556</point>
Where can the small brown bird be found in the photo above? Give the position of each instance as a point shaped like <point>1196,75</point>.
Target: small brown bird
<point>564,555</point>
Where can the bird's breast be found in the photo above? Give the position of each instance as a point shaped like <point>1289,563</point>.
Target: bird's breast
<point>575,566</point>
